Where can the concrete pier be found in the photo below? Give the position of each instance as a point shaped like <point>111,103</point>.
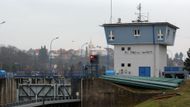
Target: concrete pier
<point>101,93</point>
<point>7,91</point>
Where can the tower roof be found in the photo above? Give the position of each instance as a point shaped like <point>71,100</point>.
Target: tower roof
<point>140,24</point>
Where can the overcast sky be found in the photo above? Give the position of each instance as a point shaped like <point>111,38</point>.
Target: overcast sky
<point>33,23</point>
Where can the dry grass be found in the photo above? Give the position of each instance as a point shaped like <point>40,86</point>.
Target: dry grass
<point>181,100</point>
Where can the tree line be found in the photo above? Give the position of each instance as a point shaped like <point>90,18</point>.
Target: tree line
<point>13,59</point>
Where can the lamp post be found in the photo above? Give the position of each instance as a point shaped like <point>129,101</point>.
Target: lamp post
<point>82,78</point>
<point>1,65</point>
<point>81,52</point>
<point>50,56</point>
<point>82,47</point>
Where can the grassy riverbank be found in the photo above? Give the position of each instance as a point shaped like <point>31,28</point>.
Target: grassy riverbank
<point>181,99</point>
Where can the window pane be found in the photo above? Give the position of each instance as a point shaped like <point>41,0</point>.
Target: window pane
<point>122,48</point>
<point>138,32</point>
<point>129,64</point>
<point>129,48</point>
<point>122,64</point>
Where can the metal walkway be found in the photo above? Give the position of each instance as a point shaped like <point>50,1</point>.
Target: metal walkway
<point>40,102</point>
<point>145,82</point>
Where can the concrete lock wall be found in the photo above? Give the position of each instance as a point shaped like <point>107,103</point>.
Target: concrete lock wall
<point>7,91</point>
<point>101,93</point>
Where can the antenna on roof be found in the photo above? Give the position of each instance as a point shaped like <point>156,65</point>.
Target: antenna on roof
<point>110,11</point>
<point>147,16</point>
<point>139,14</point>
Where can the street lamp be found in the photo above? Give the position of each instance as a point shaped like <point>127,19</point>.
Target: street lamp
<point>1,63</point>
<point>51,52</point>
<point>82,72</point>
<point>82,47</point>
<point>52,42</point>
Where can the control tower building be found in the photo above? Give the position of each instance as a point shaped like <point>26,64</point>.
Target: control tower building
<point>140,47</point>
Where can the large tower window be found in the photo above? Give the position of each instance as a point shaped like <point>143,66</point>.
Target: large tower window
<point>136,32</point>
<point>111,36</point>
<point>160,34</point>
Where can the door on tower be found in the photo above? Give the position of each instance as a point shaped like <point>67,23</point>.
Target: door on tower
<point>144,71</point>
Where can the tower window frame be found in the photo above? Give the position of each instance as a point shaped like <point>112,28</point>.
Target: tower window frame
<point>136,32</point>
<point>111,36</point>
<point>160,34</point>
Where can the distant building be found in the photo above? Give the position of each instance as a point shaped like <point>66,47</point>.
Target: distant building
<point>140,47</point>
<point>96,50</point>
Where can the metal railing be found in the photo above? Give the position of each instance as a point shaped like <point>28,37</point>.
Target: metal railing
<point>42,101</point>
